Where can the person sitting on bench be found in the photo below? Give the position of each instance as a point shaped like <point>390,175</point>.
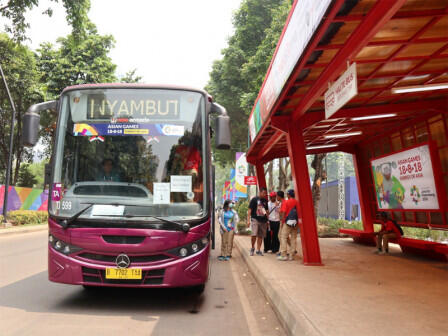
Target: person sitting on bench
<point>388,231</point>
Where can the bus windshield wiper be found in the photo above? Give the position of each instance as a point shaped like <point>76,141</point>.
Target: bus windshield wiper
<point>185,227</point>
<point>66,222</point>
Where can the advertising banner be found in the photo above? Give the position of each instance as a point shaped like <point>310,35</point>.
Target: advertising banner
<point>405,180</point>
<point>240,173</point>
<point>232,185</point>
<point>306,17</point>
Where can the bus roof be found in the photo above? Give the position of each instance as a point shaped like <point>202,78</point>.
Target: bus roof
<point>133,86</point>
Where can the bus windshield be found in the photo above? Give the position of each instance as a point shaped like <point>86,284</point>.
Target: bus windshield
<point>131,153</point>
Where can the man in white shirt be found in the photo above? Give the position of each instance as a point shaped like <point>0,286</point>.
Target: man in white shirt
<point>271,242</point>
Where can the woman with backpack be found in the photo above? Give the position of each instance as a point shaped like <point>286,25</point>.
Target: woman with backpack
<point>227,224</point>
<point>288,221</point>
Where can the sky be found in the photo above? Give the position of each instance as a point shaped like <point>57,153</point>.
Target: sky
<point>167,41</point>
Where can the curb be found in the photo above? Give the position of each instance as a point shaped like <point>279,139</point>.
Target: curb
<point>292,317</point>
<point>27,229</point>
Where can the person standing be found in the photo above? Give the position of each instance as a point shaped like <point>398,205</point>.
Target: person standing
<point>289,221</point>
<point>281,200</point>
<point>227,224</point>
<point>257,219</point>
<point>271,242</point>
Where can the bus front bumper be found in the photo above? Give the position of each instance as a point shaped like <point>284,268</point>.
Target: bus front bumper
<point>182,272</point>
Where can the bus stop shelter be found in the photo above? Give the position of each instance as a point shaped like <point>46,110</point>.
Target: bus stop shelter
<point>396,54</point>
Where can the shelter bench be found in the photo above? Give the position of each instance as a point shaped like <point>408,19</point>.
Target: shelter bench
<point>433,250</point>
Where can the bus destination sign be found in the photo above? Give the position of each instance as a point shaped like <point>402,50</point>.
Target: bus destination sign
<point>100,106</point>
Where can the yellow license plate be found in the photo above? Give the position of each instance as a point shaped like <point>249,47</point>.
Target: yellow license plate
<point>123,273</point>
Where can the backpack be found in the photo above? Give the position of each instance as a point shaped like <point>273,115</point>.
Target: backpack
<point>398,226</point>
<point>291,219</point>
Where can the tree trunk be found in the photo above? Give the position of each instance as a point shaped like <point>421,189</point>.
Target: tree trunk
<point>319,175</point>
<point>283,173</point>
<point>270,171</point>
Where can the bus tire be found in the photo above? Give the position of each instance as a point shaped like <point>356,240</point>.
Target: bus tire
<point>90,288</point>
<point>199,289</point>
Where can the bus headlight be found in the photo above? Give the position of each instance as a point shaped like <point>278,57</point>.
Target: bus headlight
<point>62,246</point>
<point>190,249</point>
<point>183,252</point>
<point>58,245</point>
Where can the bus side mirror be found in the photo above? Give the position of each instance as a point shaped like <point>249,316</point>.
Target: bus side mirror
<point>31,122</point>
<point>222,127</point>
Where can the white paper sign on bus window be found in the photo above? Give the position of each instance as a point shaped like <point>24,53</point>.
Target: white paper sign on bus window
<point>405,180</point>
<point>344,89</point>
<point>107,210</point>
<point>161,193</point>
<point>181,183</point>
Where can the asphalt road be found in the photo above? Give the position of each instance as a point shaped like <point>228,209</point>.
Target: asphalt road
<point>232,303</point>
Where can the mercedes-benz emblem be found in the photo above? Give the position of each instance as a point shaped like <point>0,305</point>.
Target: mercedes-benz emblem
<point>123,261</point>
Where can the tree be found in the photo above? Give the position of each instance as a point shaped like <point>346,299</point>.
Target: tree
<point>131,77</point>
<point>26,177</point>
<point>73,62</point>
<point>23,77</point>
<point>15,11</point>
<point>76,62</point>
<point>227,83</point>
<point>319,175</point>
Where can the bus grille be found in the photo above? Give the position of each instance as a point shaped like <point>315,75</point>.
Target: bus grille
<point>152,277</point>
<point>124,239</point>
<point>134,259</point>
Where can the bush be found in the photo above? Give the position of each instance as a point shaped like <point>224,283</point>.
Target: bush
<point>241,209</point>
<point>329,227</point>
<point>26,217</point>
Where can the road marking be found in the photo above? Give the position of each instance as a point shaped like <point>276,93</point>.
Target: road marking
<point>250,317</point>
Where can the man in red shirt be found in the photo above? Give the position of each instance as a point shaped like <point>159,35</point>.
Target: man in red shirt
<point>289,222</point>
<point>388,231</point>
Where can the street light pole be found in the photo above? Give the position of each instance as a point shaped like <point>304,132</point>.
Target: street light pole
<point>11,146</point>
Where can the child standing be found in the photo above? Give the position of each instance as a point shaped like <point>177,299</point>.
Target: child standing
<point>227,222</point>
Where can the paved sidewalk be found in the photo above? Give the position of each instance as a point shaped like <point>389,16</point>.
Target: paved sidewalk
<point>355,293</point>
<point>22,229</point>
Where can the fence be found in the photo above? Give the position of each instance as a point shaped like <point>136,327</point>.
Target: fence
<point>20,198</point>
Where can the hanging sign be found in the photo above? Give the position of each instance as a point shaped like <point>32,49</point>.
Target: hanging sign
<point>405,180</point>
<point>344,89</point>
<point>250,180</point>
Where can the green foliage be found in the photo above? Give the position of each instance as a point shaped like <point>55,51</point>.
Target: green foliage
<point>27,217</point>
<point>38,170</point>
<point>329,227</point>
<point>432,235</point>
<point>26,177</point>
<point>131,77</point>
<point>73,62</point>
<point>241,209</point>
<point>230,83</point>
<point>15,11</point>
<point>76,62</point>
<point>23,78</point>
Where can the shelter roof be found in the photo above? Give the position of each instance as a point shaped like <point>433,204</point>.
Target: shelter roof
<point>394,44</point>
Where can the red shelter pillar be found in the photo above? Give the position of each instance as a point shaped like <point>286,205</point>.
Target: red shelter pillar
<point>363,178</point>
<point>299,169</point>
<point>261,178</point>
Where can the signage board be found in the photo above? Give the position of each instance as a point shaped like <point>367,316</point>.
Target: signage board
<point>250,180</point>
<point>405,180</point>
<point>344,89</point>
<point>306,16</point>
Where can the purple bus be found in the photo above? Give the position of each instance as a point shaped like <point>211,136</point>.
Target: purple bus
<point>131,187</point>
